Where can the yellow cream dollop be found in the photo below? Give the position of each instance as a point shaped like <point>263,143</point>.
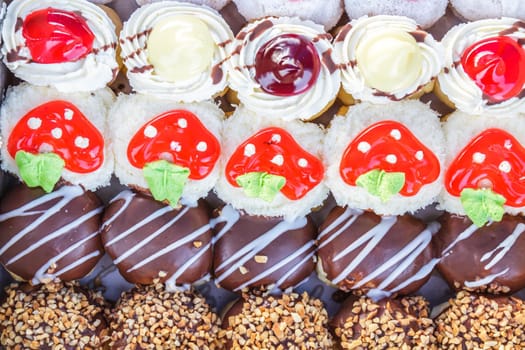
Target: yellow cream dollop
<point>389,60</point>
<point>180,47</point>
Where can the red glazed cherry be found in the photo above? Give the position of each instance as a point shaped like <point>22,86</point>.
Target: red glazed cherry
<point>287,65</point>
<point>57,36</point>
<point>496,65</point>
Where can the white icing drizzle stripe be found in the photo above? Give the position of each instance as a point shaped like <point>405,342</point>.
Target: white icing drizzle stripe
<point>354,214</point>
<point>228,215</point>
<point>68,193</point>
<point>469,231</point>
<point>505,246</point>
<point>153,216</point>
<point>127,196</point>
<point>279,265</point>
<point>151,236</point>
<point>188,238</point>
<point>63,230</point>
<point>171,283</point>
<point>250,250</point>
<point>373,236</point>
<point>486,280</point>
<point>423,272</point>
<point>281,280</point>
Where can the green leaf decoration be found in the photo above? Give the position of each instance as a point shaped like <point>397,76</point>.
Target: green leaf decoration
<point>482,205</point>
<point>166,180</point>
<point>40,170</point>
<point>261,185</point>
<point>382,184</point>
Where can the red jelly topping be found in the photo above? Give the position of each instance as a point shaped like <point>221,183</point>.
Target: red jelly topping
<point>287,65</point>
<point>179,137</point>
<point>497,66</point>
<point>391,147</point>
<point>274,151</point>
<point>493,159</point>
<point>57,36</point>
<point>61,128</point>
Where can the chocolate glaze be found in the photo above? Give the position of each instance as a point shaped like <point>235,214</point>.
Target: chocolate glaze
<point>343,32</point>
<point>142,69</point>
<point>148,239</point>
<point>50,235</point>
<point>259,29</point>
<point>419,35</point>
<point>246,252</point>
<point>493,253</point>
<point>403,241</point>
<point>326,57</point>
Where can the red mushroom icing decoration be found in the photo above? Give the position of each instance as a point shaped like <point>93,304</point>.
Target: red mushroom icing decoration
<point>171,148</point>
<point>497,66</point>
<point>271,161</point>
<point>50,137</point>
<point>57,36</point>
<point>386,159</point>
<point>488,173</point>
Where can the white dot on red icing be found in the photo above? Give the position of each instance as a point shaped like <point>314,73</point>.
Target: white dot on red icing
<point>507,144</point>
<point>56,133</point>
<point>276,138</point>
<point>396,134</point>
<point>478,157</point>
<point>175,146</point>
<point>302,163</point>
<point>202,146</point>
<point>419,155</point>
<point>505,167</point>
<point>81,142</point>
<point>68,114</point>
<point>34,123</point>
<point>363,147</point>
<point>278,160</point>
<point>249,150</point>
<point>183,123</point>
<point>150,131</point>
<point>391,158</point>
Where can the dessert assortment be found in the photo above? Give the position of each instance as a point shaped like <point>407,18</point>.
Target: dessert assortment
<point>228,166</point>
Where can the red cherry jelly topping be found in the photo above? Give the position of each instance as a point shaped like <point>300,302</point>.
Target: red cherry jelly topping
<point>179,137</point>
<point>57,36</point>
<point>390,146</point>
<point>493,159</point>
<point>274,151</point>
<point>497,66</point>
<point>61,128</point>
<point>287,65</point>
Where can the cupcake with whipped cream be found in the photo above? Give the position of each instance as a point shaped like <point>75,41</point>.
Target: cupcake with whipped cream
<point>484,69</point>
<point>386,58</point>
<point>284,66</point>
<point>215,4</point>
<point>271,166</point>
<point>326,13</point>
<point>176,50</point>
<point>68,44</point>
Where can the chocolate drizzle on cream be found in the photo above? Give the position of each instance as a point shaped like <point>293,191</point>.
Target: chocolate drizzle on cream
<point>148,240</point>
<point>378,255</point>
<point>48,236</point>
<point>262,252</point>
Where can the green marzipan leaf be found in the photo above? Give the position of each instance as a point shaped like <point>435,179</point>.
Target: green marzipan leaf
<point>166,180</point>
<point>381,184</point>
<point>40,170</point>
<point>482,205</point>
<point>261,185</point>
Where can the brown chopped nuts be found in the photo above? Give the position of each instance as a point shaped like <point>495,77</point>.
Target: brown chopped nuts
<point>261,259</point>
<point>168,320</point>
<point>54,315</point>
<point>197,244</point>
<point>291,321</point>
<point>243,270</point>
<point>481,322</point>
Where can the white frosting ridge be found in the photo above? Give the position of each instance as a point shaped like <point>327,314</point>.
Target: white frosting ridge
<point>454,81</point>
<point>359,31</point>
<point>141,73</point>
<point>242,71</point>
<point>92,72</point>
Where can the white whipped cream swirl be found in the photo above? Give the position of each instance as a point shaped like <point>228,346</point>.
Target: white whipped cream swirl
<point>454,81</point>
<point>140,71</point>
<point>89,73</point>
<point>302,106</point>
